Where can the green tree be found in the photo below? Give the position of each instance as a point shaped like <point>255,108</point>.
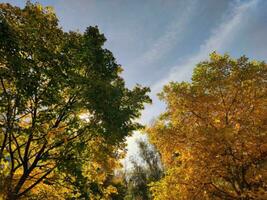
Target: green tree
<point>59,92</point>
<point>145,171</point>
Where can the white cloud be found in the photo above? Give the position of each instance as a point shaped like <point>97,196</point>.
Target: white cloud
<point>221,36</point>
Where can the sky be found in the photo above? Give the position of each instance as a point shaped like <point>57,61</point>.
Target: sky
<point>158,41</point>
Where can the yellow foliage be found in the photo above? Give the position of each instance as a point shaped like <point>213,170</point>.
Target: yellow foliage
<point>213,136</point>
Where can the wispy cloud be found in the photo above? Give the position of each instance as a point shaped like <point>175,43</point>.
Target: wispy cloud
<point>220,37</point>
<point>170,38</point>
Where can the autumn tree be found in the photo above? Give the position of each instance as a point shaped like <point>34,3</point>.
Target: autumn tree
<point>61,96</point>
<point>213,135</point>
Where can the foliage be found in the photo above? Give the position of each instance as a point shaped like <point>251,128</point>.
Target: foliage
<point>213,136</point>
<point>141,175</point>
<point>64,109</point>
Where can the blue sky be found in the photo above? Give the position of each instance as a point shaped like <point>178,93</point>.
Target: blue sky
<point>157,41</point>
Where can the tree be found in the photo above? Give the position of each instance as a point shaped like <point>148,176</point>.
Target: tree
<point>144,172</point>
<point>59,92</point>
<point>213,136</point>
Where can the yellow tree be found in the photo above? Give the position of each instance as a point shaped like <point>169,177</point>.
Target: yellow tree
<point>213,136</point>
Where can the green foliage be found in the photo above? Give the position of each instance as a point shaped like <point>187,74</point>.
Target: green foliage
<point>141,175</point>
<point>60,92</point>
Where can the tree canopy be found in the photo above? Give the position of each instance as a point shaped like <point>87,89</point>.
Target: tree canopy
<point>65,113</point>
<point>213,136</point>
<point>64,108</point>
